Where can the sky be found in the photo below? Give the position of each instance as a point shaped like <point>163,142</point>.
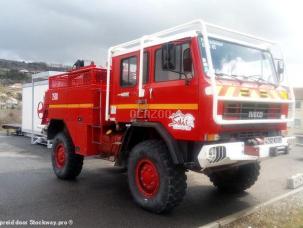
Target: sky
<point>62,31</point>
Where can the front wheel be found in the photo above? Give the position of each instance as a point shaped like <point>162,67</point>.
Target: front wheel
<point>236,179</point>
<point>155,182</point>
<point>66,164</point>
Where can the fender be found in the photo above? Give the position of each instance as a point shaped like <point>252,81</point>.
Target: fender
<point>172,144</point>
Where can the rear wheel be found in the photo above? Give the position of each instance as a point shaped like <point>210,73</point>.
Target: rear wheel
<point>154,181</point>
<point>66,164</point>
<point>236,179</point>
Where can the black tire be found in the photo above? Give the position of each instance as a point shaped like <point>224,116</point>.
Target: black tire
<point>172,179</point>
<point>69,167</point>
<point>237,179</point>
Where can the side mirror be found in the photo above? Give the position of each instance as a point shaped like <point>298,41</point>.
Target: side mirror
<point>280,66</point>
<point>280,69</point>
<point>168,56</point>
<point>187,61</point>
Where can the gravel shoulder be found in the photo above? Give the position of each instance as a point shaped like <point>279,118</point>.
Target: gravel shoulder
<point>285,213</point>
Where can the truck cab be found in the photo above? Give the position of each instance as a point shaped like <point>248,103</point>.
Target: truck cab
<point>207,89</point>
<point>187,98</point>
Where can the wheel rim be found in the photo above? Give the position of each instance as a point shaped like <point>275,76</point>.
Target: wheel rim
<point>60,155</point>
<point>147,178</point>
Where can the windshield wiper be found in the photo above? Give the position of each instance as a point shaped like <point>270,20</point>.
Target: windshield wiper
<point>229,75</point>
<point>255,78</point>
<point>259,79</point>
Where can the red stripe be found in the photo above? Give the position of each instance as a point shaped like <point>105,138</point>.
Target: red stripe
<point>223,91</point>
<point>236,92</point>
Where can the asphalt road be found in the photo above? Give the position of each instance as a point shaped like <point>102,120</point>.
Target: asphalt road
<point>100,196</point>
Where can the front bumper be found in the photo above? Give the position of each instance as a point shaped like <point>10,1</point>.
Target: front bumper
<point>221,154</point>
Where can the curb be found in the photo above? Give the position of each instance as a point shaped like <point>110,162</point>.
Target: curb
<point>231,218</point>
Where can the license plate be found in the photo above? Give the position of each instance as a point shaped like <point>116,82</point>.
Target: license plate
<point>273,140</point>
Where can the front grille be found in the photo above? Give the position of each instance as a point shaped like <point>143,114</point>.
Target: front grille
<point>247,135</point>
<point>251,111</point>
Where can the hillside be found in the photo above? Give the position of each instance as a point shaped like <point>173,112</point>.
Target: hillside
<point>12,75</point>
<point>20,71</point>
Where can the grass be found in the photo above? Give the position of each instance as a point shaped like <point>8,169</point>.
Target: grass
<point>288,219</point>
<point>296,221</point>
<point>287,213</point>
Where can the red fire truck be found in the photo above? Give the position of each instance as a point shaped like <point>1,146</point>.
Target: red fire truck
<point>194,97</point>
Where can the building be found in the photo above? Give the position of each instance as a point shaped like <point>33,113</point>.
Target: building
<point>296,128</point>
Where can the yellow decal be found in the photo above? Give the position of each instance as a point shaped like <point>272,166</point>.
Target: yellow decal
<point>219,87</point>
<point>244,92</point>
<point>71,105</point>
<point>263,93</point>
<point>230,92</point>
<point>275,95</point>
<point>284,95</point>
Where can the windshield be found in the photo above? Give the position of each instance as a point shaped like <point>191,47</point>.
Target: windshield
<point>239,62</point>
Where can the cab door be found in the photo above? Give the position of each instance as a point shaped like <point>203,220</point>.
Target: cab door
<point>124,94</point>
<point>172,94</point>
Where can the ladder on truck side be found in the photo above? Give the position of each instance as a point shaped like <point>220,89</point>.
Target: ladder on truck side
<point>96,127</point>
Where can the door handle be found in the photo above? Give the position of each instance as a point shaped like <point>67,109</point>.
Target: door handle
<point>124,94</point>
<point>150,93</point>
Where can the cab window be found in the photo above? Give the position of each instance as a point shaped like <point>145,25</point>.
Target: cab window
<point>183,64</point>
<point>128,74</point>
